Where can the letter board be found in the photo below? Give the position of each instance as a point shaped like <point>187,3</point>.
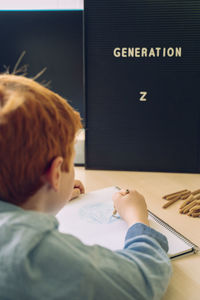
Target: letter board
<point>142,81</point>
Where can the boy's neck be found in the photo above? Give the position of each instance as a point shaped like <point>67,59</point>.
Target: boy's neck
<point>39,201</point>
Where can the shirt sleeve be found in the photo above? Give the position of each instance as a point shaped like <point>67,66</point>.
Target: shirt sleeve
<point>62,267</point>
<point>147,249</point>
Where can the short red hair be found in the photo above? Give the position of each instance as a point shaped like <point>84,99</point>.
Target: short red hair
<point>36,125</point>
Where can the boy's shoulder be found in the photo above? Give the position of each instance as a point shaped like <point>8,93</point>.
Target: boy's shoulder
<point>33,236</point>
<point>32,249</point>
<point>21,230</point>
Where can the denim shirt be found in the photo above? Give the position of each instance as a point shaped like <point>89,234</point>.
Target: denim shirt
<point>39,262</point>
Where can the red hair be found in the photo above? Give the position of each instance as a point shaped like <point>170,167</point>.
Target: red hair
<point>36,125</point>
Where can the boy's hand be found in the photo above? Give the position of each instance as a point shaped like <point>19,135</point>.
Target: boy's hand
<point>131,207</point>
<point>78,189</point>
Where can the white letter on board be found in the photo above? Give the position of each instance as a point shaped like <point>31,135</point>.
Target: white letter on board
<point>143,94</point>
<point>116,52</point>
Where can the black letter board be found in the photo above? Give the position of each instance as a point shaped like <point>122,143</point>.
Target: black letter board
<point>142,79</point>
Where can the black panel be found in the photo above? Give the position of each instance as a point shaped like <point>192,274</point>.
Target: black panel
<point>51,39</point>
<point>124,133</point>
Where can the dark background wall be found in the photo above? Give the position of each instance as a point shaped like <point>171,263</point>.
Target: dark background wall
<point>51,39</point>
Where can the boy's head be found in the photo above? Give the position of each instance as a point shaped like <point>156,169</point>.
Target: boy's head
<point>36,126</point>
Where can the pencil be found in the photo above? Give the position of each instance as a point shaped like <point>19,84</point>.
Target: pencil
<point>170,202</point>
<point>188,207</point>
<point>185,195</point>
<point>196,192</point>
<point>167,197</point>
<point>187,201</point>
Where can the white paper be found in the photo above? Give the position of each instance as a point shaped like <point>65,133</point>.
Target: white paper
<point>176,245</point>
<point>90,219</point>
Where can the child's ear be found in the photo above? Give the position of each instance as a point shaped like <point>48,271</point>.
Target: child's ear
<point>53,175</point>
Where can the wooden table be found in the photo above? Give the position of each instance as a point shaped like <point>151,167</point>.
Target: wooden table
<point>185,281</point>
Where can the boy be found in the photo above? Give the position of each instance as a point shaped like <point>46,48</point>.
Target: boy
<point>37,132</point>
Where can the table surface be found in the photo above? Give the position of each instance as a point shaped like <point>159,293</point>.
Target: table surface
<point>185,281</point>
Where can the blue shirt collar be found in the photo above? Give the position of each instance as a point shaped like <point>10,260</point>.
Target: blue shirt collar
<point>36,219</point>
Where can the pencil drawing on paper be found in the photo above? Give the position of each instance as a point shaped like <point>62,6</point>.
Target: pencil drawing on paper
<point>98,213</point>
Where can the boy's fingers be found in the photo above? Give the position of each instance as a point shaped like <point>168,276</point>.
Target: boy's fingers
<point>116,196</point>
<point>124,192</point>
<point>121,193</point>
<point>78,184</point>
<point>75,193</point>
